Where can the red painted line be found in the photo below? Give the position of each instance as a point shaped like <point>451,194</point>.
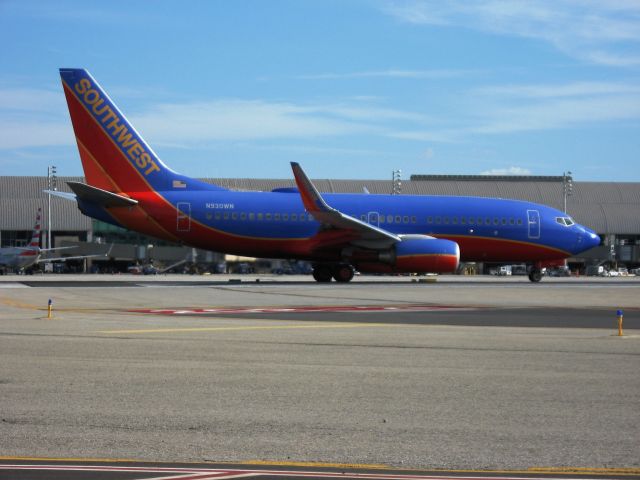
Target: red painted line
<point>304,309</point>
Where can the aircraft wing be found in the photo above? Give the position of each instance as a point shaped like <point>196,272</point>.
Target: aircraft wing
<point>75,257</point>
<point>365,233</point>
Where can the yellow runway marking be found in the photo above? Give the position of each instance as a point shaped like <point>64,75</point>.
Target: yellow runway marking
<point>228,329</point>
<point>17,304</point>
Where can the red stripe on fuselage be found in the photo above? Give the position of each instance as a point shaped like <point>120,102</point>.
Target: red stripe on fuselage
<point>484,249</point>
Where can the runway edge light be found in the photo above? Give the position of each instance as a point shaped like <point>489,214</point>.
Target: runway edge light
<point>619,313</point>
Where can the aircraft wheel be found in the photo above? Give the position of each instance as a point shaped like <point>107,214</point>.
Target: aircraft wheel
<point>535,275</point>
<point>322,273</point>
<point>343,273</point>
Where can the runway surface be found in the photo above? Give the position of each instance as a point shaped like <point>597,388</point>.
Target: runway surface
<point>455,375</point>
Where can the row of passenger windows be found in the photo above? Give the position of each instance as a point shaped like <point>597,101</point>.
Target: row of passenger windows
<point>276,217</point>
<point>380,219</point>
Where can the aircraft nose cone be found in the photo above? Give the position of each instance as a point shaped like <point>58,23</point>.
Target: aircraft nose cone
<point>594,238</point>
<point>591,238</point>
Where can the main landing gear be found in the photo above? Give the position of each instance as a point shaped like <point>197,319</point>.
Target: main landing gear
<point>341,272</point>
<point>535,274</point>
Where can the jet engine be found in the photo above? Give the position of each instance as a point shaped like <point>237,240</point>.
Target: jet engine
<point>415,253</point>
<point>420,253</point>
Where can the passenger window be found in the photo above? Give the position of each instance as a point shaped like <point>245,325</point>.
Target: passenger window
<point>496,221</point>
<point>398,219</point>
<point>446,220</point>
<point>267,217</point>
<point>260,216</point>
<point>276,217</point>
<point>504,221</point>
<point>405,219</point>
<point>472,221</point>
<point>487,221</point>
<point>243,216</point>
<point>234,216</point>
<point>294,217</point>
<point>252,217</point>
<point>454,220</point>
<point>463,220</point>
<point>226,215</point>
<point>479,220</point>
<point>381,219</point>
<point>512,221</point>
<point>519,221</point>
<point>217,216</point>
<point>285,217</point>
<point>414,219</point>
<point>429,219</point>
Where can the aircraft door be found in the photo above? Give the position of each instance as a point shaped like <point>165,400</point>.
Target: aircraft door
<point>183,220</point>
<point>373,218</point>
<point>533,220</point>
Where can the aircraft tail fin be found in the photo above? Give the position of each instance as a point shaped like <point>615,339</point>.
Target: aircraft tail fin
<point>114,155</point>
<point>37,229</point>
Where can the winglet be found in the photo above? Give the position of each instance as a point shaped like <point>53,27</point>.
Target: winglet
<point>311,198</point>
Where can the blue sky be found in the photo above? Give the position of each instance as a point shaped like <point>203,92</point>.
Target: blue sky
<point>348,88</point>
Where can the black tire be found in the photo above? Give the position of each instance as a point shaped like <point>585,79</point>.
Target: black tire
<point>322,273</point>
<point>343,273</point>
<point>535,275</point>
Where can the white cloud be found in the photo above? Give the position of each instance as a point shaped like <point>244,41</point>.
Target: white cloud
<point>33,118</point>
<point>34,133</point>
<point>507,109</point>
<point>507,171</point>
<point>236,119</point>
<point>576,89</point>
<point>411,74</point>
<point>603,32</point>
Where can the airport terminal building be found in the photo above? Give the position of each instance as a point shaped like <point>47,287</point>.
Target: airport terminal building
<point>612,209</point>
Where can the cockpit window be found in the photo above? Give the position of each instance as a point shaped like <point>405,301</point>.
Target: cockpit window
<point>566,221</point>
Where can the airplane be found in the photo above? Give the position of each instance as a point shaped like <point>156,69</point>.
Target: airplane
<point>129,186</point>
<point>21,258</point>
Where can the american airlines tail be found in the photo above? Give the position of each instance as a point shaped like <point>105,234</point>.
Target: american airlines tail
<point>35,237</point>
<point>114,156</point>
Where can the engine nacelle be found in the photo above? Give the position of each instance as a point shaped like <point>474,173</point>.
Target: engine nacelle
<point>422,254</point>
<point>414,254</point>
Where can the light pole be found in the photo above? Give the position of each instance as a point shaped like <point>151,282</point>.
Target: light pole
<point>52,184</point>
<point>396,187</point>
<point>567,188</point>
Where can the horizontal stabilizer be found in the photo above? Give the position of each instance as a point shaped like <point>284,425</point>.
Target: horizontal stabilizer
<point>99,196</point>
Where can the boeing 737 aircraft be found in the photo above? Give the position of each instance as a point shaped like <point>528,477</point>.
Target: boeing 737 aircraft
<point>129,186</point>
<point>21,258</point>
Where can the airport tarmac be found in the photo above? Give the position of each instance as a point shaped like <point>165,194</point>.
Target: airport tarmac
<point>478,374</point>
